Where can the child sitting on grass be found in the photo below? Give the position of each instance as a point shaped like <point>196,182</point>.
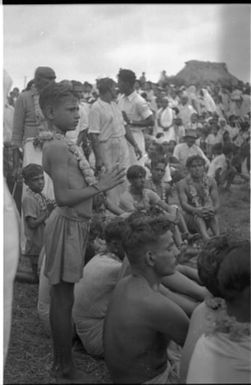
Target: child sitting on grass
<point>36,209</point>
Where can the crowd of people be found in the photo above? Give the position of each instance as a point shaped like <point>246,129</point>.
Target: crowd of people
<point>121,180</point>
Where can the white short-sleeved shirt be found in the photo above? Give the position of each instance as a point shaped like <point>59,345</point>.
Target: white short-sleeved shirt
<point>136,108</point>
<point>106,120</point>
<point>182,152</point>
<point>218,162</point>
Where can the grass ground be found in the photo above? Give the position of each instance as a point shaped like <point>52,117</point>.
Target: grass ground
<point>29,356</point>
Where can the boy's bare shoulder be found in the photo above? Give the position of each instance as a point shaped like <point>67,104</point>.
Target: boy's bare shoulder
<point>54,148</point>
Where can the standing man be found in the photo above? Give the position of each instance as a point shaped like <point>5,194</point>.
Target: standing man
<point>30,128</point>
<point>108,134</point>
<point>136,112</point>
<point>165,116</point>
<point>185,109</point>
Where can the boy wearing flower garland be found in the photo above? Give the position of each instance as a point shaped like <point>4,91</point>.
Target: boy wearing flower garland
<point>36,209</point>
<point>199,198</point>
<point>218,346</point>
<point>67,230</point>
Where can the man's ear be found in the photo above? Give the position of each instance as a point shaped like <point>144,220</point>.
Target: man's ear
<point>149,258</point>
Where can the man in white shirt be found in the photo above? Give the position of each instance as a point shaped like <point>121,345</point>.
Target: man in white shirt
<point>84,109</point>
<point>136,112</point>
<point>165,117</point>
<point>185,110</point>
<point>184,150</point>
<point>108,134</point>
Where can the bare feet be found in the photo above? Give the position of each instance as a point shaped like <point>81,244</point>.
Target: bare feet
<point>73,376</point>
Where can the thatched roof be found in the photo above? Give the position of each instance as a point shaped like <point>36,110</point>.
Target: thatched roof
<point>200,72</point>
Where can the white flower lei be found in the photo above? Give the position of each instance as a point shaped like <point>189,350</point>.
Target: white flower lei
<point>220,321</point>
<point>83,163</point>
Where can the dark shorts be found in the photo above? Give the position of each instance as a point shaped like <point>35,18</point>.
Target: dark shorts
<point>66,239</point>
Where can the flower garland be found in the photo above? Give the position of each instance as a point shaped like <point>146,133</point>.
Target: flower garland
<point>203,198</point>
<point>220,321</point>
<point>44,133</point>
<point>83,163</point>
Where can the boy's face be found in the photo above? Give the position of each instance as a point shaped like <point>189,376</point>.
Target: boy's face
<point>197,169</point>
<point>158,172</point>
<point>165,253</point>
<point>139,182</point>
<point>65,115</point>
<point>36,183</point>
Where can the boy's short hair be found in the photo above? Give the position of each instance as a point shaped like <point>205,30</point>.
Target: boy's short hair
<point>105,85</point>
<point>127,76</point>
<point>135,171</point>
<point>155,162</point>
<point>54,93</point>
<point>142,230</point>
<point>114,229</point>
<point>234,271</point>
<point>216,274</point>
<point>191,159</point>
<point>30,171</point>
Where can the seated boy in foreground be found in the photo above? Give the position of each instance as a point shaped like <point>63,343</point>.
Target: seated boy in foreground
<point>67,229</point>
<point>141,321</point>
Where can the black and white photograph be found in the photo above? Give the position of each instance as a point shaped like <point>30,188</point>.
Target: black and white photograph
<point>126,193</point>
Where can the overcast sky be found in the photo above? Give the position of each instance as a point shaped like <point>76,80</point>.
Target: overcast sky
<point>84,42</point>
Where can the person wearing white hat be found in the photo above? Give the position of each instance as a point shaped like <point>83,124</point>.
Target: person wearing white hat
<point>183,151</point>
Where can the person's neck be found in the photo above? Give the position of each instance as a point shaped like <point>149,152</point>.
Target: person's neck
<point>135,190</point>
<point>147,275</point>
<point>157,182</point>
<point>106,98</point>
<point>239,310</point>
<point>57,130</point>
<point>196,179</point>
<point>129,92</point>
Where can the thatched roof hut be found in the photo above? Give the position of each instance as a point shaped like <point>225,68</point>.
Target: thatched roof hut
<point>200,72</point>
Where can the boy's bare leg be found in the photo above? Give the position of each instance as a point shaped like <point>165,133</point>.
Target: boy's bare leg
<point>62,297</point>
<point>214,225</point>
<point>202,228</point>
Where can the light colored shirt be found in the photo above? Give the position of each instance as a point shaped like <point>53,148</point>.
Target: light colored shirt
<point>218,162</point>
<point>185,112</point>
<point>25,124</point>
<point>84,110</point>
<point>136,108</point>
<point>91,298</point>
<point>217,359</point>
<point>106,120</point>
<point>182,152</point>
<point>213,139</point>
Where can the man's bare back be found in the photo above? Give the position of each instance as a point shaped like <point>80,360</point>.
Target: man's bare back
<point>146,321</point>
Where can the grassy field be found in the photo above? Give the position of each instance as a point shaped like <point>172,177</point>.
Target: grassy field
<point>30,351</point>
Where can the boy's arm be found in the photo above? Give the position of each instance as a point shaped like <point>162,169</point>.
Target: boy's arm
<point>33,223</point>
<point>30,210</point>
<point>184,202</point>
<point>196,329</point>
<point>130,138</point>
<point>214,195</point>
<point>57,157</point>
<point>168,318</point>
<point>112,207</point>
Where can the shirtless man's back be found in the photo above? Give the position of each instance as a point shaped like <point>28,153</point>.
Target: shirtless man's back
<point>140,321</point>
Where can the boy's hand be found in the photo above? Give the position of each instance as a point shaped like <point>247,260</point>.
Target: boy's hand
<point>125,117</point>
<point>138,152</point>
<point>111,178</point>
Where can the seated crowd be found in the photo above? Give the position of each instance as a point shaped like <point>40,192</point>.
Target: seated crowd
<point>154,160</point>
